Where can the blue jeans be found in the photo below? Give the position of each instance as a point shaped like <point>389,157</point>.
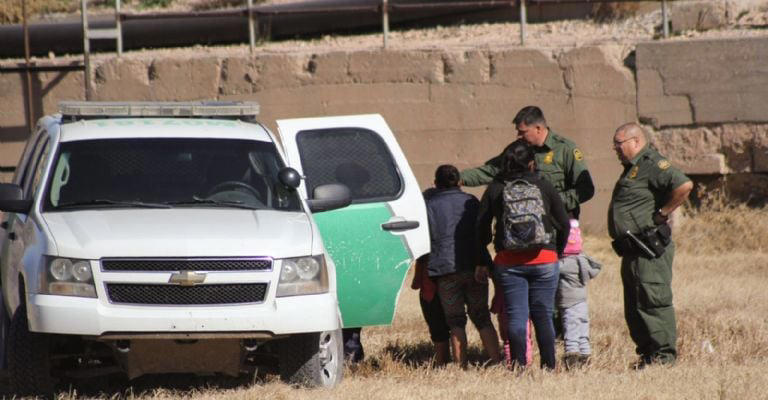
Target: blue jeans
<point>529,290</point>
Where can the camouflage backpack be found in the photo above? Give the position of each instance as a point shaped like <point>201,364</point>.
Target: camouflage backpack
<point>524,216</point>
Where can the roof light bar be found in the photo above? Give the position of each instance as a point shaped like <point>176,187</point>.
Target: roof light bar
<point>159,109</point>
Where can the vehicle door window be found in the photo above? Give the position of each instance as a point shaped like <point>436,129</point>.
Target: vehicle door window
<point>355,157</point>
<point>27,159</point>
<point>32,180</point>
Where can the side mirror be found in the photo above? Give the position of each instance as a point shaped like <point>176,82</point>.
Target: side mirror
<point>289,177</point>
<point>329,197</point>
<point>12,199</point>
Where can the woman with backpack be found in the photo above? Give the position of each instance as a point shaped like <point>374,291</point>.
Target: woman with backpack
<point>530,235</point>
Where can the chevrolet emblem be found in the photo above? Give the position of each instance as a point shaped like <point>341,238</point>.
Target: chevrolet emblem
<point>187,278</point>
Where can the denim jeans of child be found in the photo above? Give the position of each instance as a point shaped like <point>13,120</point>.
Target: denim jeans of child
<point>529,290</point>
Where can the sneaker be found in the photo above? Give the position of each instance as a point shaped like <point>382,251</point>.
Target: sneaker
<point>584,360</point>
<point>571,361</point>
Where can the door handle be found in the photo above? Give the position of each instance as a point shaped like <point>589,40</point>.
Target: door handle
<point>400,225</point>
<point>12,235</point>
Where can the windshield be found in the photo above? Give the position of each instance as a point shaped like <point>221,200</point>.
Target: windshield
<point>163,173</point>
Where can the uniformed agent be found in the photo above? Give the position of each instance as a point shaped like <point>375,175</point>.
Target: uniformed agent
<point>644,197</point>
<point>558,160</point>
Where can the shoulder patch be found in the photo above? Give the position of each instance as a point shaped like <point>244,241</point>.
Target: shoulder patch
<point>577,155</point>
<point>663,164</point>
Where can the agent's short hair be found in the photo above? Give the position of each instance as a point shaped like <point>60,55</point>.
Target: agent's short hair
<point>446,176</point>
<point>530,115</point>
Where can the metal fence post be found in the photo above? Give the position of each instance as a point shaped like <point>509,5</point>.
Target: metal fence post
<point>86,49</point>
<point>251,27</point>
<point>523,22</point>
<point>30,104</point>
<point>119,27</point>
<point>385,21</point>
<point>665,18</point>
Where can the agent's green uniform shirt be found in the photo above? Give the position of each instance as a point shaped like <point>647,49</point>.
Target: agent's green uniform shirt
<point>558,160</point>
<point>643,188</point>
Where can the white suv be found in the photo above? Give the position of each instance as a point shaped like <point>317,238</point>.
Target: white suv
<point>178,237</point>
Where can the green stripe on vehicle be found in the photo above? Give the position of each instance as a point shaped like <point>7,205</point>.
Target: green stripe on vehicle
<point>370,263</point>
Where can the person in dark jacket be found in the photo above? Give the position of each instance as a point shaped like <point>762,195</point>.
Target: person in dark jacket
<point>529,276</point>
<point>453,263</point>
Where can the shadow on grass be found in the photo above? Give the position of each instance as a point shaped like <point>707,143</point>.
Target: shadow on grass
<point>118,386</point>
<point>420,355</point>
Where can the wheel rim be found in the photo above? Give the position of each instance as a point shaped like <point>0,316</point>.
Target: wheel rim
<point>329,358</point>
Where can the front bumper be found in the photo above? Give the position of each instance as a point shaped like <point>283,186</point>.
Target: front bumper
<point>277,316</point>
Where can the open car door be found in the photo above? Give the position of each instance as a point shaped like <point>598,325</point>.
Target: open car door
<point>374,240</point>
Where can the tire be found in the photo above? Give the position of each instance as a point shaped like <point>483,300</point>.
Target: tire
<point>312,359</point>
<point>29,364</point>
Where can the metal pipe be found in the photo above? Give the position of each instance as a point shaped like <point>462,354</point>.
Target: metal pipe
<point>30,104</point>
<point>385,20</point>
<point>523,22</point>
<point>665,18</point>
<point>231,26</point>
<point>86,50</point>
<point>453,5</point>
<point>251,27</point>
<point>119,27</point>
<point>41,67</point>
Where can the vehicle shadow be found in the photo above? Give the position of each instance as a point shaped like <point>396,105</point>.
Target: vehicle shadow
<point>119,386</point>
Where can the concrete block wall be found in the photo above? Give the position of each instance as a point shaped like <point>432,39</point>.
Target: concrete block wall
<point>457,107</point>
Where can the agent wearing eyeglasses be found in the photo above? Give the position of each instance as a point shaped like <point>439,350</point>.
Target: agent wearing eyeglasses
<point>647,192</point>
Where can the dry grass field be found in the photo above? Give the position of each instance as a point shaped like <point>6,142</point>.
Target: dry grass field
<point>721,272</point>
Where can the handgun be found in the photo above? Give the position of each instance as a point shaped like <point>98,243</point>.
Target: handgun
<point>641,245</point>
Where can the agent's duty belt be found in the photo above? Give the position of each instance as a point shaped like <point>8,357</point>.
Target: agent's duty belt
<point>650,243</point>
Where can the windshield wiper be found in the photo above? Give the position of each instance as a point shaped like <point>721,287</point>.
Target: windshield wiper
<point>219,203</point>
<point>98,202</point>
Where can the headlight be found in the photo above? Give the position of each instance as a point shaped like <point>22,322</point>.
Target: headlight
<point>81,271</point>
<point>289,272</point>
<point>61,269</point>
<point>303,275</point>
<point>67,277</point>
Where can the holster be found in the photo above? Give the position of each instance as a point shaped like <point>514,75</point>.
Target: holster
<point>656,239</point>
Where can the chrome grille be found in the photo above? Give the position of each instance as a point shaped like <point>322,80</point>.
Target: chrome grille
<point>132,293</point>
<point>181,264</point>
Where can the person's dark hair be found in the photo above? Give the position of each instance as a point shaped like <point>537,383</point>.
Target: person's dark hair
<point>516,158</point>
<point>530,115</point>
<point>446,176</point>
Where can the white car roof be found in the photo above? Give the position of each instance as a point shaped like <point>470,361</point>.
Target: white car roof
<point>126,128</point>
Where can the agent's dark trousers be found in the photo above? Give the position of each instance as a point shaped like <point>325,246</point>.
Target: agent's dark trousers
<point>648,305</point>
<point>530,290</point>
<point>353,347</point>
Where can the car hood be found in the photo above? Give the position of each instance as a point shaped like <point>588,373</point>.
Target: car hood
<point>179,232</point>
